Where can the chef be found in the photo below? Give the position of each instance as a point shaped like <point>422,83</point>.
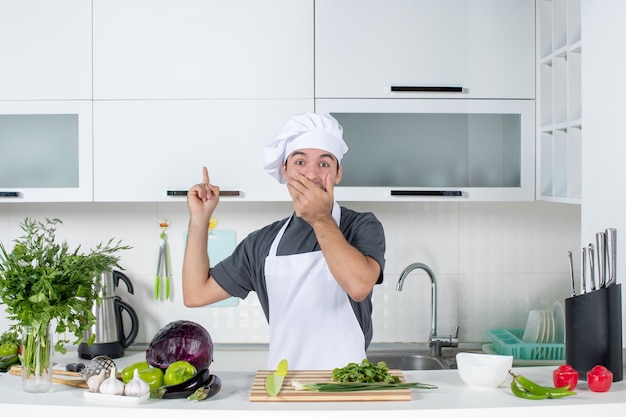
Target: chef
<point>313,271</point>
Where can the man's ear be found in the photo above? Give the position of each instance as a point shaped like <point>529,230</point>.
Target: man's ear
<point>284,170</point>
<point>339,173</point>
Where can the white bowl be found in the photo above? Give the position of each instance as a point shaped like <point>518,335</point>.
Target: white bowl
<point>483,370</point>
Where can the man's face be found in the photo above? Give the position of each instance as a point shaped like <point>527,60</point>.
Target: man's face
<point>316,164</point>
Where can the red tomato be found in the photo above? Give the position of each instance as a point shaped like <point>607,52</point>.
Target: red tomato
<point>599,379</point>
<point>565,375</point>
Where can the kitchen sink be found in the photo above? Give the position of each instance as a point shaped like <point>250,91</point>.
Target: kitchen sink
<point>412,361</point>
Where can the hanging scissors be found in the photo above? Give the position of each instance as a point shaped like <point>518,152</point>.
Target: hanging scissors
<point>163,264</point>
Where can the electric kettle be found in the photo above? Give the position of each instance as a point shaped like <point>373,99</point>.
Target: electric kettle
<point>110,336</point>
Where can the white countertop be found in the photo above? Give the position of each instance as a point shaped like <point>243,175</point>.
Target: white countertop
<point>451,397</point>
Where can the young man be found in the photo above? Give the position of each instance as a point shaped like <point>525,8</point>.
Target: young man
<point>314,271</point>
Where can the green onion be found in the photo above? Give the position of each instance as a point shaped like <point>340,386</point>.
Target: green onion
<point>357,386</point>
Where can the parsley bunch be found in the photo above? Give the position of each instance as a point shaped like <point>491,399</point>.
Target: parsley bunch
<point>364,372</point>
<point>42,281</point>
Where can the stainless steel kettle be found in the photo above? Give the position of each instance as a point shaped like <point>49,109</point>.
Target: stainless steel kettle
<point>111,337</point>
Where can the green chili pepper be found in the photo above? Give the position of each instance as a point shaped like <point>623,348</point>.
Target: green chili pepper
<point>518,392</point>
<point>525,388</point>
<point>560,394</point>
<point>530,386</point>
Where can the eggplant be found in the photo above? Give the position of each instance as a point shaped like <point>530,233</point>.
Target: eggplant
<point>209,389</point>
<point>7,361</point>
<point>184,389</point>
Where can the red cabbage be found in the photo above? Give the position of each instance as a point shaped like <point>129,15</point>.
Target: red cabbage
<point>181,340</point>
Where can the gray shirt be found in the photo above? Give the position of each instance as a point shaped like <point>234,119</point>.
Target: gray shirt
<point>244,270</point>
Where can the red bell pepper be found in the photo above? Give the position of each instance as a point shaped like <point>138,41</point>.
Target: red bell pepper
<point>565,375</point>
<point>599,379</point>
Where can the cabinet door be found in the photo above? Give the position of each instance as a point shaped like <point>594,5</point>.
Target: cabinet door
<point>195,49</point>
<point>436,150</point>
<point>485,47</point>
<point>45,49</point>
<point>143,149</point>
<point>45,151</point>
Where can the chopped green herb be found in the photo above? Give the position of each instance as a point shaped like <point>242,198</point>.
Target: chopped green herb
<point>365,372</point>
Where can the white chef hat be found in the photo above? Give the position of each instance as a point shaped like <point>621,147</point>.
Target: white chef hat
<point>306,130</point>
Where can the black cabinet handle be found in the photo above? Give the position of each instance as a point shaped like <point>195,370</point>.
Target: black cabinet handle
<point>178,193</point>
<point>12,194</point>
<point>426,193</point>
<point>426,89</point>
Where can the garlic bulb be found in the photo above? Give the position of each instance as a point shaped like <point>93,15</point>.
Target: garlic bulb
<point>112,385</point>
<point>136,387</point>
<point>95,381</point>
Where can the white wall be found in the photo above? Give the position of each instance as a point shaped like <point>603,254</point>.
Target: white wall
<point>604,112</point>
<point>493,261</point>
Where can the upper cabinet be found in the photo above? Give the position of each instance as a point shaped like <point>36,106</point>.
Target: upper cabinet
<point>202,49</point>
<point>559,101</point>
<point>154,150</point>
<point>45,49</point>
<point>437,150</point>
<point>45,151</point>
<point>425,49</point>
<point>45,101</point>
<point>179,85</point>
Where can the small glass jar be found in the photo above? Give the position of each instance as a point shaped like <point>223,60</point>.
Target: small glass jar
<point>37,360</point>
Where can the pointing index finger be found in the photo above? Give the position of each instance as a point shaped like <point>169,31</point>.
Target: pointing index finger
<point>205,175</point>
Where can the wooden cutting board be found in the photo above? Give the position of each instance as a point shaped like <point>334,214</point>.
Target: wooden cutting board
<point>289,394</point>
<point>77,381</point>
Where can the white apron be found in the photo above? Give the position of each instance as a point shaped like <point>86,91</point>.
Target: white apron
<point>312,323</point>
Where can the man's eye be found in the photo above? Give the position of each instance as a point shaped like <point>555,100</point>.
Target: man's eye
<point>298,162</point>
<point>324,164</point>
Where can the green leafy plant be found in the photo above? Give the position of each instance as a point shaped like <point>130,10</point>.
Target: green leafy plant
<point>42,281</point>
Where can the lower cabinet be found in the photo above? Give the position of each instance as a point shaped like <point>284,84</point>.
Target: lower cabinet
<point>154,150</point>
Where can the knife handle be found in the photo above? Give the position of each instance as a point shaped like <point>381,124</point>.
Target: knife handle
<point>601,257</point>
<point>583,269</point>
<point>611,255</point>
<point>592,271</point>
<point>571,271</point>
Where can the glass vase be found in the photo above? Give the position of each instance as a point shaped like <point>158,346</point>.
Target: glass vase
<point>37,358</point>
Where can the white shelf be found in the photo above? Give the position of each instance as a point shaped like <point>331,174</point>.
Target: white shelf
<point>559,108</point>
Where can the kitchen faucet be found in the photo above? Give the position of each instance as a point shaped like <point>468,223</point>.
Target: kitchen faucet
<point>435,341</point>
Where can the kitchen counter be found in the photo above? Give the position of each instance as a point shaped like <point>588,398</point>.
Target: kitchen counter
<point>452,395</point>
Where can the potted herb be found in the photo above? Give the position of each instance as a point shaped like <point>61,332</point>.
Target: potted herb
<point>44,284</point>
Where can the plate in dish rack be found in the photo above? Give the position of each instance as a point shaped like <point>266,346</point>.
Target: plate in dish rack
<point>559,322</point>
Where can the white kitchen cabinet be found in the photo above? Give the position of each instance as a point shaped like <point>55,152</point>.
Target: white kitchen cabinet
<point>436,150</point>
<point>198,49</point>
<point>45,151</point>
<point>45,48</point>
<point>559,104</point>
<point>145,148</point>
<point>485,48</point>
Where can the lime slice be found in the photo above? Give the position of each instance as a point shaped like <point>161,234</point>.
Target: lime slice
<point>281,369</point>
<point>273,384</point>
